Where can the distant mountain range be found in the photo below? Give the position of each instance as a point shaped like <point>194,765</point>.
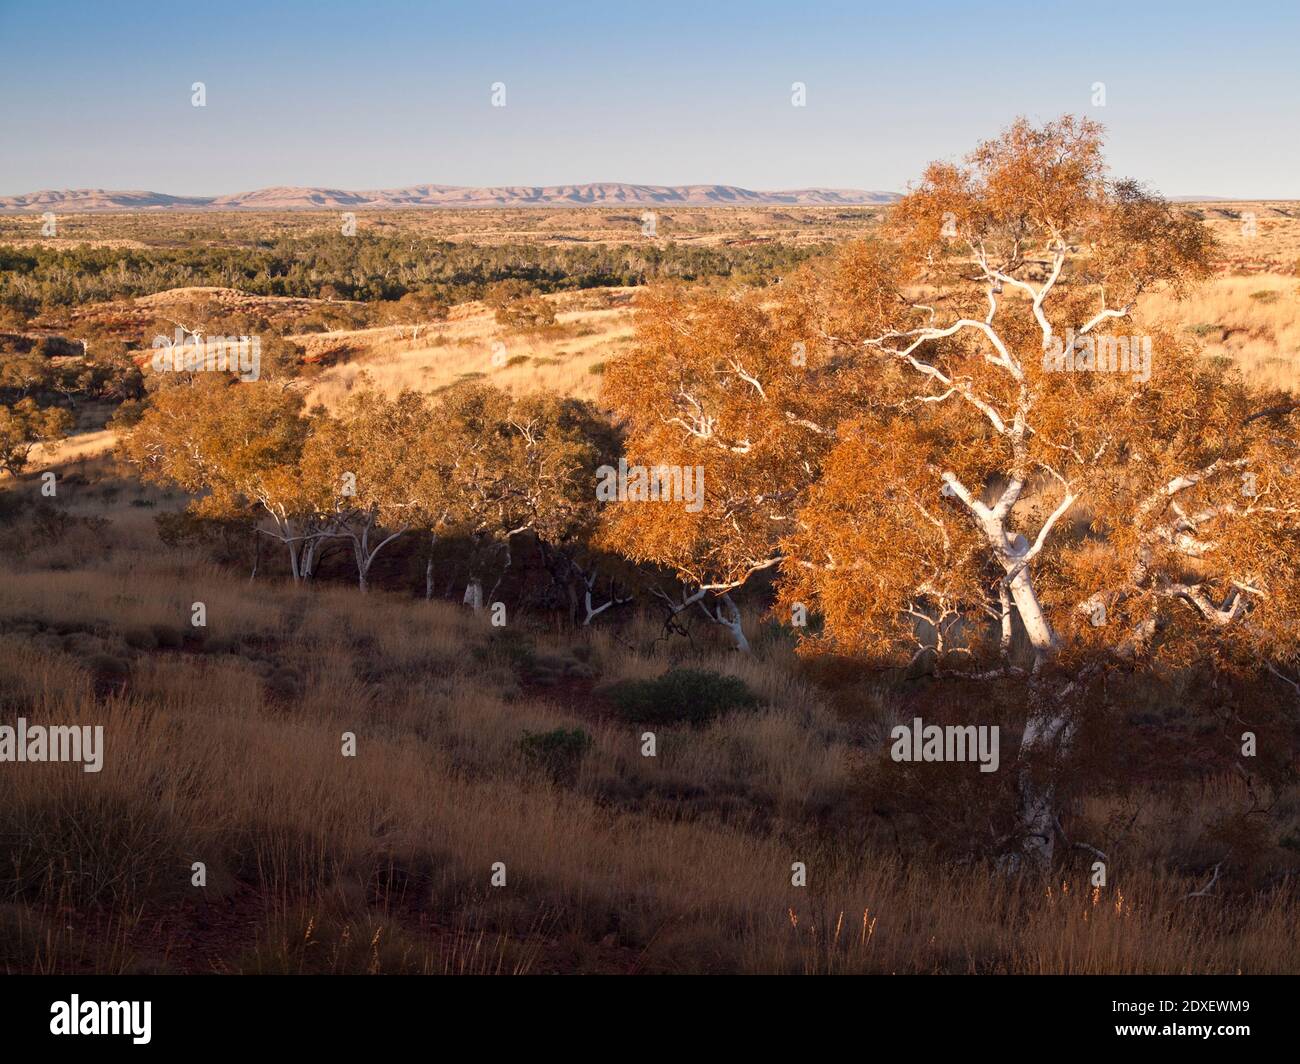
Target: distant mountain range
<point>607,194</point>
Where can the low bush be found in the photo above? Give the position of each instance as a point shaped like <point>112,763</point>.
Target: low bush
<point>680,696</point>
<point>559,751</point>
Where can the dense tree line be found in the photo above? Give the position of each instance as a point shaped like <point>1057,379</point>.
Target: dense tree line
<point>369,267</point>
<point>473,464</point>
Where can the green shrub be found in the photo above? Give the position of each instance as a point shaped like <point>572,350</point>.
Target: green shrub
<point>680,696</point>
<point>89,846</point>
<point>283,686</point>
<point>168,637</point>
<point>526,314</point>
<point>505,645</point>
<point>139,637</point>
<point>108,675</point>
<point>559,751</point>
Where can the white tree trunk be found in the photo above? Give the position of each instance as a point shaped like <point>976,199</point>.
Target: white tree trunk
<point>307,566</point>
<point>731,622</point>
<point>1049,724</point>
<point>1048,727</point>
<point>1037,628</point>
<point>592,611</point>
<point>365,556</point>
<point>1010,552</point>
<point>588,598</point>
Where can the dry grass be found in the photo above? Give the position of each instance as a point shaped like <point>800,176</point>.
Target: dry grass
<point>226,750</point>
<point>1257,236</point>
<point>564,358</point>
<point>1253,321</point>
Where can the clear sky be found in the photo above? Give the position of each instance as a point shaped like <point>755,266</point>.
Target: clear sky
<point>1201,99</point>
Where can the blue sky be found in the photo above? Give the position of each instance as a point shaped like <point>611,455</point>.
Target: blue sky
<point>1201,99</point>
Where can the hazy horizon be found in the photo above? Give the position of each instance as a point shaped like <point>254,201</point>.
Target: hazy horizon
<point>313,95</point>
